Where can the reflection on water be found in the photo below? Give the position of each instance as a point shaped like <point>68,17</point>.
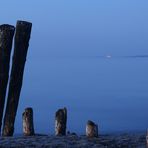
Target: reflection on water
<point>111,91</point>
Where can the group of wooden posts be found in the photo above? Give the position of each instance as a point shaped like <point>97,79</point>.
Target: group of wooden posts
<point>60,124</point>
<point>21,34</point>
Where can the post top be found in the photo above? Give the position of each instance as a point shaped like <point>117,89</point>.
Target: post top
<point>19,22</point>
<point>7,27</point>
<point>28,109</point>
<point>89,122</point>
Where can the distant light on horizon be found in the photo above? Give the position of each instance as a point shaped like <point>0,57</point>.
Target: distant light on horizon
<point>108,56</point>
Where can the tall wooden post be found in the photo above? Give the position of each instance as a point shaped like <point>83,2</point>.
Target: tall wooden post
<point>60,122</point>
<point>147,139</point>
<point>21,43</point>
<point>91,129</point>
<point>28,127</point>
<point>6,38</point>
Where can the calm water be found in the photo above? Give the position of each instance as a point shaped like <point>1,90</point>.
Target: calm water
<point>113,92</point>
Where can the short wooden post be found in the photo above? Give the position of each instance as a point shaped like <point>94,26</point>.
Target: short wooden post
<point>21,43</point>
<point>60,122</point>
<point>91,129</point>
<point>28,127</point>
<point>6,38</point>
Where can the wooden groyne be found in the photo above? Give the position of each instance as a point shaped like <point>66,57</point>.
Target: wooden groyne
<point>6,38</point>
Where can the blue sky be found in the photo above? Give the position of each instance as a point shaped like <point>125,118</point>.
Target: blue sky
<point>82,27</point>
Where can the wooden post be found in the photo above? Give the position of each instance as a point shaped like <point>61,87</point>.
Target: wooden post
<point>6,38</point>
<point>28,127</point>
<point>60,122</point>
<point>147,139</point>
<point>21,43</point>
<point>91,129</point>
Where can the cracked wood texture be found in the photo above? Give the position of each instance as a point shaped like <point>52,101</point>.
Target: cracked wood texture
<point>21,44</point>
<point>6,38</point>
<point>28,127</point>
<point>60,122</point>
<point>91,129</point>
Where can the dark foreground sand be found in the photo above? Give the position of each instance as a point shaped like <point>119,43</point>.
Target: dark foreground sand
<point>74,141</point>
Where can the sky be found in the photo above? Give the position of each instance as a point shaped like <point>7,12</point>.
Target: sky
<point>82,27</point>
<point>89,87</point>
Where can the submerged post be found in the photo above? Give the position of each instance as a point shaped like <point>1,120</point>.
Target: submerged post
<point>91,129</point>
<point>60,122</point>
<point>28,127</point>
<point>6,38</point>
<point>21,43</point>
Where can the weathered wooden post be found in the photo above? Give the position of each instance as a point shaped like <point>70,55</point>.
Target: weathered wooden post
<point>6,38</point>
<point>28,127</point>
<point>21,43</point>
<point>147,139</point>
<point>60,122</point>
<point>91,129</point>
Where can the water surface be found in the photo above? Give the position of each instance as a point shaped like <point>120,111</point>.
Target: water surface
<point>112,91</point>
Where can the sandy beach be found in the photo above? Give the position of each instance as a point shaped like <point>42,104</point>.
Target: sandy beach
<point>75,141</point>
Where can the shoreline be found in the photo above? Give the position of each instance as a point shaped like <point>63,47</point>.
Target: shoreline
<point>83,133</point>
<point>133,140</point>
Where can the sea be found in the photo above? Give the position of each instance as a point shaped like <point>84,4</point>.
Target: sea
<point>110,90</point>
